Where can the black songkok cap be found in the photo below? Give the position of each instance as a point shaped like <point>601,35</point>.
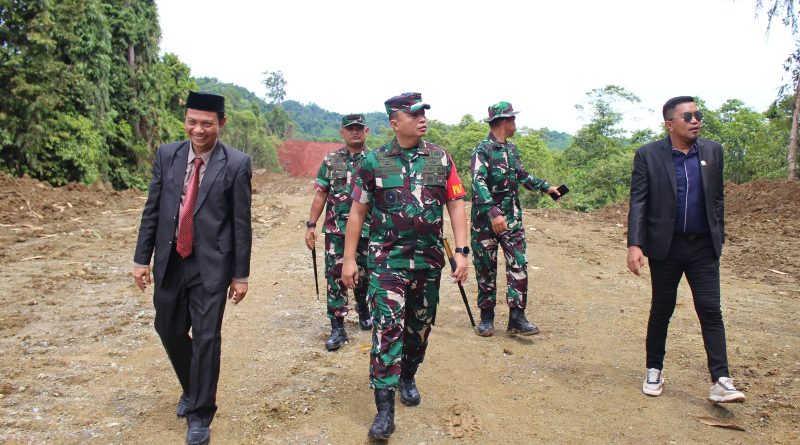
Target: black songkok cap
<point>205,102</point>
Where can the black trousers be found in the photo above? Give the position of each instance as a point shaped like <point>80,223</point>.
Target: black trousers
<point>695,258</point>
<point>182,303</point>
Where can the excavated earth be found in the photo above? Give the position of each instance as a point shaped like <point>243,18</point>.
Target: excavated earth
<point>81,363</point>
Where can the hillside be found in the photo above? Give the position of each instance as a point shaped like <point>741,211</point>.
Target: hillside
<point>311,121</point>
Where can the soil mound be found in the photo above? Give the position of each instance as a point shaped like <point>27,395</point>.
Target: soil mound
<point>27,200</point>
<point>302,158</point>
<point>761,219</point>
<point>763,200</point>
<point>761,222</point>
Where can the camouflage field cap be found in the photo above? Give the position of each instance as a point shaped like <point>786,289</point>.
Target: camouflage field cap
<point>354,119</point>
<point>408,102</point>
<point>500,109</point>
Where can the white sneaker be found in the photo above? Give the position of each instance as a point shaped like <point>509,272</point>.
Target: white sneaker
<point>724,392</point>
<point>653,382</point>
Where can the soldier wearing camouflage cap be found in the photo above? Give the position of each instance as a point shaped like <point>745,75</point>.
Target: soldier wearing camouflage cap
<point>497,174</point>
<point>333,187</point>
<point>404,185</point>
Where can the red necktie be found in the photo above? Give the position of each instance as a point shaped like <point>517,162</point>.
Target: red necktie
<point>186,223</point>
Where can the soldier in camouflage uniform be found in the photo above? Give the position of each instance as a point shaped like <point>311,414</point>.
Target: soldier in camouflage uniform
<point>497,173</point>
<point>403,185</point>
<point>333,188</point>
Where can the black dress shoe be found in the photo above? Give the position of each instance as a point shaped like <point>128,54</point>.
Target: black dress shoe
<point>198,435</point>
<point>183,406</point>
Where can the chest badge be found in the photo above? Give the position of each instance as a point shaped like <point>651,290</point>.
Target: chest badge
<point>391,196</point>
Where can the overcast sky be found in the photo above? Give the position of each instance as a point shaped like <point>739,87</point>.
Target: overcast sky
<point>465,55</point>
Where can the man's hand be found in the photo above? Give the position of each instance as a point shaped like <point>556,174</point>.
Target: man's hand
<point>350,273</point>
<point>635,260</point>
<point>311,238</point>
<point>499,224</point>
<point>553,190</point>
<point>141,275</point>
<point>237,291</point>
<point>460,274</point>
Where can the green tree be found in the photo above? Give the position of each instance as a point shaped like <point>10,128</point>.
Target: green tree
<point>597,163</point>
<point>83,92</point>
<point>247,131</point>
<point>460,140</point>
<point>787,12</point>
<point>54,89</point>
<point>276,86</point>
<point>540,161</point>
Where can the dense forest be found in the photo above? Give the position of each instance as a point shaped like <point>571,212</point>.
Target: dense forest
<point>85,96</point>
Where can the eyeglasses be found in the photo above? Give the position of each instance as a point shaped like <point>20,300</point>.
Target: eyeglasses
<point>687,116</point>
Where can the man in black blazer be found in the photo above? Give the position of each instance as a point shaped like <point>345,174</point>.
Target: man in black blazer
<point>197,221</point>
<point>676,219</point>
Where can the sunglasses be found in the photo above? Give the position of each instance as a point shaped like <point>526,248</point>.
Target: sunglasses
<point>687,116</point>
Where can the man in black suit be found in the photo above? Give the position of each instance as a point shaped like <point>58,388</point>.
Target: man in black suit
<point>676,219</point>
<point>197,221</point>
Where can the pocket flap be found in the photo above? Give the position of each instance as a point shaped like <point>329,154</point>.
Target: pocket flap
<point>225,244</point>
<point>389,181</point>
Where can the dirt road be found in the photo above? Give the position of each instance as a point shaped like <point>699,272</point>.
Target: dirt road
<point>81,363</point>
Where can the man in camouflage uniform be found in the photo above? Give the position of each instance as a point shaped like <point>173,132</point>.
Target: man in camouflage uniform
<point>403,185</point>
<point>333,188</point>
<point>497,173</point>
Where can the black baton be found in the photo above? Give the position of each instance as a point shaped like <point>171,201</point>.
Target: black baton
<point>460,287</point>
<point>314,260</point>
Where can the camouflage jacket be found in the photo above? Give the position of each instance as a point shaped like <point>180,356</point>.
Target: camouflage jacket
<point>336,177</point>
<point>407,189</point>
<point>497,173</point>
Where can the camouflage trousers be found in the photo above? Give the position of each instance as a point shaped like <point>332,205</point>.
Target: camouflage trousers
<point>336,290</point>
<point>403,304</point>
<point>484,257</point>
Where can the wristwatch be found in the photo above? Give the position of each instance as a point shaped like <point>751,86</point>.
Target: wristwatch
<point>309,224</point>
<point>463,250</point>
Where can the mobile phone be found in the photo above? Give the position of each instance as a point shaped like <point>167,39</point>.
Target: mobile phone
<point>563,189</point>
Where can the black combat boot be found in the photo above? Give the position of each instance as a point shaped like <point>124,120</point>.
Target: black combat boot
<point>409,395</point>
<point>364,317</point>
<point>518,324</point>
<point>486,328</point>
<point>338,335</point>
<point>383,426</point>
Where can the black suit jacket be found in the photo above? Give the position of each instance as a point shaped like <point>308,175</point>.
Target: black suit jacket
<point>222,229</point>
<point>651,218</point>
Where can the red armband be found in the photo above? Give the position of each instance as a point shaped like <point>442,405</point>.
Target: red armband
<point>455,188</point>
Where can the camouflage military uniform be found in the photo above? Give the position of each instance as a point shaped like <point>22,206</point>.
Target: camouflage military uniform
<point>407,189</point>
<point>497,173</point>
<point>336,177</point>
